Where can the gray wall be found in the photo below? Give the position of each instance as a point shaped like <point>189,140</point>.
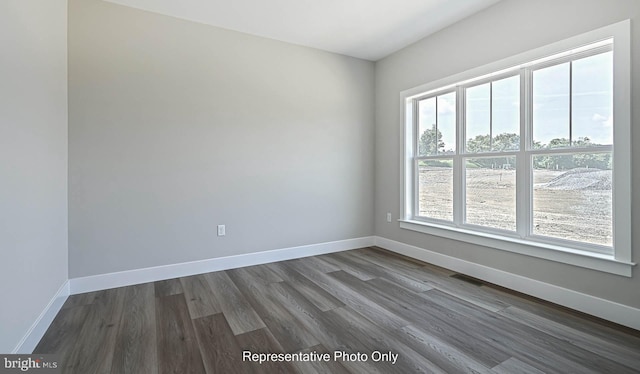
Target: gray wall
<point>33,161</point>
<point>175,127</point>
<point>505,29</point>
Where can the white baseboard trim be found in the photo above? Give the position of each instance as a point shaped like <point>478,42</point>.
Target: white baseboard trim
<point>30,340</point>
<point>609,310</point>
<point>156,273</point>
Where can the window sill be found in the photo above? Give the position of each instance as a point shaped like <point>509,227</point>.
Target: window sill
<point>590,260</point>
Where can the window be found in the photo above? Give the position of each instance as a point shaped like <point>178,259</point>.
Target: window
<point>528,154</point>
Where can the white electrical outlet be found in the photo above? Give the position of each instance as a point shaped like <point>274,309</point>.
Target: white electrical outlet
<point>221,230</point>
<point>388,217</point>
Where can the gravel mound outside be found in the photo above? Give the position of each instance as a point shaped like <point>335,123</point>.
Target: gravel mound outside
<point>581,179</point>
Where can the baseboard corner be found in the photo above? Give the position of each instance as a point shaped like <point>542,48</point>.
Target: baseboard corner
<point>32,337</point>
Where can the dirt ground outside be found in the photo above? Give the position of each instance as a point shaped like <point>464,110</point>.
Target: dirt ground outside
<point>562,208</point>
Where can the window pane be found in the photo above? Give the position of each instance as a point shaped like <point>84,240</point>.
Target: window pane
<point>427,127</point>
<point>506,114</point>
<point>447,122</point>
<point>572,197</point>
<point>551,106</point>
<point>491,192</point>
<point>435,189</point>
<point>478,119</point>
<point>592,114</point>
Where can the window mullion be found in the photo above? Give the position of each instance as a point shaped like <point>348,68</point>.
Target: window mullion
<point>458,166</point>
<point>436,134</point>
<point>416,189</point>
<point>570,103</point>
<point>414,167</point>
<point>523,159</point>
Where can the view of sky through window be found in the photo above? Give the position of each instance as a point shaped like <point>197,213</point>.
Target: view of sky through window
<point>570,101</point>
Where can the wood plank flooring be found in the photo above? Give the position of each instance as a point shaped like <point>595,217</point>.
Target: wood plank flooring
<point>361,301</point>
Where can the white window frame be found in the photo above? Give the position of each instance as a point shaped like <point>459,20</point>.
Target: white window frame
<point>617,261</point>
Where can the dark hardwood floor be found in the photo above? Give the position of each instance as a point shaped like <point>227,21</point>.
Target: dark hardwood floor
<point>362,301</point>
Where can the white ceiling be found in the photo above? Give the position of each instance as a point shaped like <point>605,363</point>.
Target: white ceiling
<point>368,29</point>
